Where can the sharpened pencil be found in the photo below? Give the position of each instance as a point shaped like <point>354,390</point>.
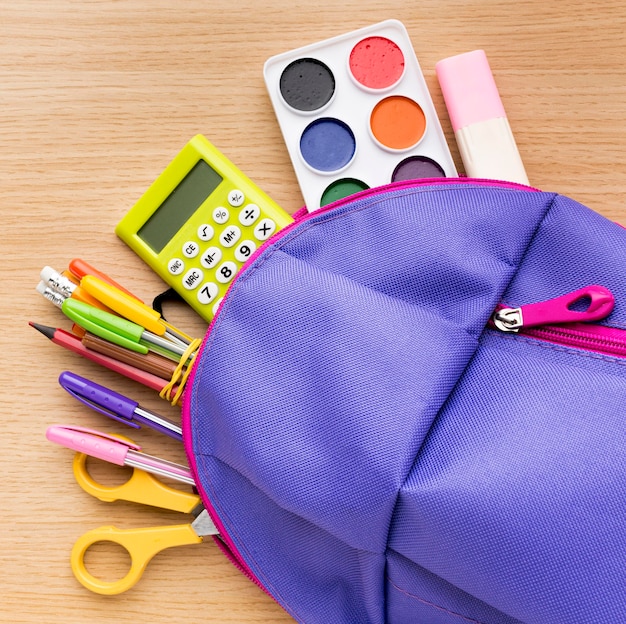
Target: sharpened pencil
<point>73,343</point>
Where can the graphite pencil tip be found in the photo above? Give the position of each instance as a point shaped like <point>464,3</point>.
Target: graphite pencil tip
<point>48,332</point>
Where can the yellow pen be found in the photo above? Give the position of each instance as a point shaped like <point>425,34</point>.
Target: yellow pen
<point>130,308</point>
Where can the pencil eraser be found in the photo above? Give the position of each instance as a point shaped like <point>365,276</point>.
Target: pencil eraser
<point>48,272</point>
<point>469,89</point>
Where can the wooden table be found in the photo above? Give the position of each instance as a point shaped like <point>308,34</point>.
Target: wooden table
<point>95,99</point>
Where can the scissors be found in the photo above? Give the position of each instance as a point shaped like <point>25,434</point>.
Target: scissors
<point>142,544</point>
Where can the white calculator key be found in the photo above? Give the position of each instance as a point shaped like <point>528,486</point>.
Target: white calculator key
<point>225,272</point>
<point>205,232</point>
<point>192,279</point>
<point>191,249</point>
<point>244,250</point>
<point>249,214</point>
<point>216,305</point>
<point>236,198</point>
<point>175,266</point>
<point>264,229</point>
<point>211,257</point>
<point>207,293</point>
<point>230,236</point>
<point>221,215</point>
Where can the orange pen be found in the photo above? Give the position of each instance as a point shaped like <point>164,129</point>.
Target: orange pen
<point>80,268</point>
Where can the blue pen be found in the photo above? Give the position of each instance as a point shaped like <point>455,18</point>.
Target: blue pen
<point>116,406</point>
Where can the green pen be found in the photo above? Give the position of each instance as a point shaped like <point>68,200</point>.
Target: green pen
<point>118,330</point>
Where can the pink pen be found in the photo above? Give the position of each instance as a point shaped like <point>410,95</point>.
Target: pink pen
<point>116,451</point>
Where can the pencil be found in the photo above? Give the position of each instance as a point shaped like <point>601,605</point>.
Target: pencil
<point>73,343</point>
<point>149,362</point>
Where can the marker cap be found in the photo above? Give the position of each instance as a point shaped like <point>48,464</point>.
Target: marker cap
<point>469,89</point>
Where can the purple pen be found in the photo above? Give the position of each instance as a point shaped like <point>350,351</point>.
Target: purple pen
<point>116,406</point>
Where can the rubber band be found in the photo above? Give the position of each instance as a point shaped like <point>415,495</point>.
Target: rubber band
<point>173,391</point>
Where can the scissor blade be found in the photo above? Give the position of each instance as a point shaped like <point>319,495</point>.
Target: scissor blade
<point>203,525</point>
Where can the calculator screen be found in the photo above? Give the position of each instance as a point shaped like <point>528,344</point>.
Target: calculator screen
<point>180,204</point>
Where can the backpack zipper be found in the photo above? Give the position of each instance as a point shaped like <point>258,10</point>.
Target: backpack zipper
<point>560,321</point>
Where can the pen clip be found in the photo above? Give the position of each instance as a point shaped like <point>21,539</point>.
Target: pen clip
<point>125,305</point>
<point>79,387</point>
<point>105,325</point>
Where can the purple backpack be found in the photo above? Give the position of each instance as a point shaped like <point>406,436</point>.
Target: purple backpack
<point>374,449</point>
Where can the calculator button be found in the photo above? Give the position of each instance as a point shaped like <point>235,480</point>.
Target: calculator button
<point>230,236</point>
<point>191,249</point>
<point>236,198</point>
<point>211,257</point>
<point>225,272</point>
<point>207,293</point>
<point>244,250</point>
<point>221,215</point>
<point>175,266</point>
<point>205,232</point>
<point>264,229</point>
<point>249,214</point>
<point>192,279</point>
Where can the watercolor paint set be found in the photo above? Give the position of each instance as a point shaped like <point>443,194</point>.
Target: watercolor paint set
<point>355,113</point>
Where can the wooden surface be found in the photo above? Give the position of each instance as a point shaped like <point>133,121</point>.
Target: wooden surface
<point>95,98</point>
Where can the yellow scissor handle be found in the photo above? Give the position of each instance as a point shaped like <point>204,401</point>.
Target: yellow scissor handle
<point>141,488</point>
<point>141,544</point>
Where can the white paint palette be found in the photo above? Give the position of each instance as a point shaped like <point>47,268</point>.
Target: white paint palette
<point>355,113</point>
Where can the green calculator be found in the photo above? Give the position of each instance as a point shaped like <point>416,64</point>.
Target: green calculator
<point>199,221</point>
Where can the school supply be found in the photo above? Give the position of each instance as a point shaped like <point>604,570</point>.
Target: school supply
<point>57,287</point>
<point>130,308</point>
<point>355,112</point>
<point>119,330</point>
<point>479,121</point>
<point>375,450</point>
<point>70,341</point>
<point>116,450</point>
<point>115,405</point>
<point>79,268</point>
<point>199,222</point>
<point>150,362</point>
<point>110,320</point>
<point>142,544</point>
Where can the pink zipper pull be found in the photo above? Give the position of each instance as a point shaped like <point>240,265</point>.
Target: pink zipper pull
<point>559,310</point>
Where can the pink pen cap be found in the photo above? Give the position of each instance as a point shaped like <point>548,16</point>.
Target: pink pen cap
<point>478,118</point>
<point>91,442</point>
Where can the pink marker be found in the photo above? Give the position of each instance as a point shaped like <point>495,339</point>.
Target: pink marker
<point>480,124</point>
<point>116,451</point>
